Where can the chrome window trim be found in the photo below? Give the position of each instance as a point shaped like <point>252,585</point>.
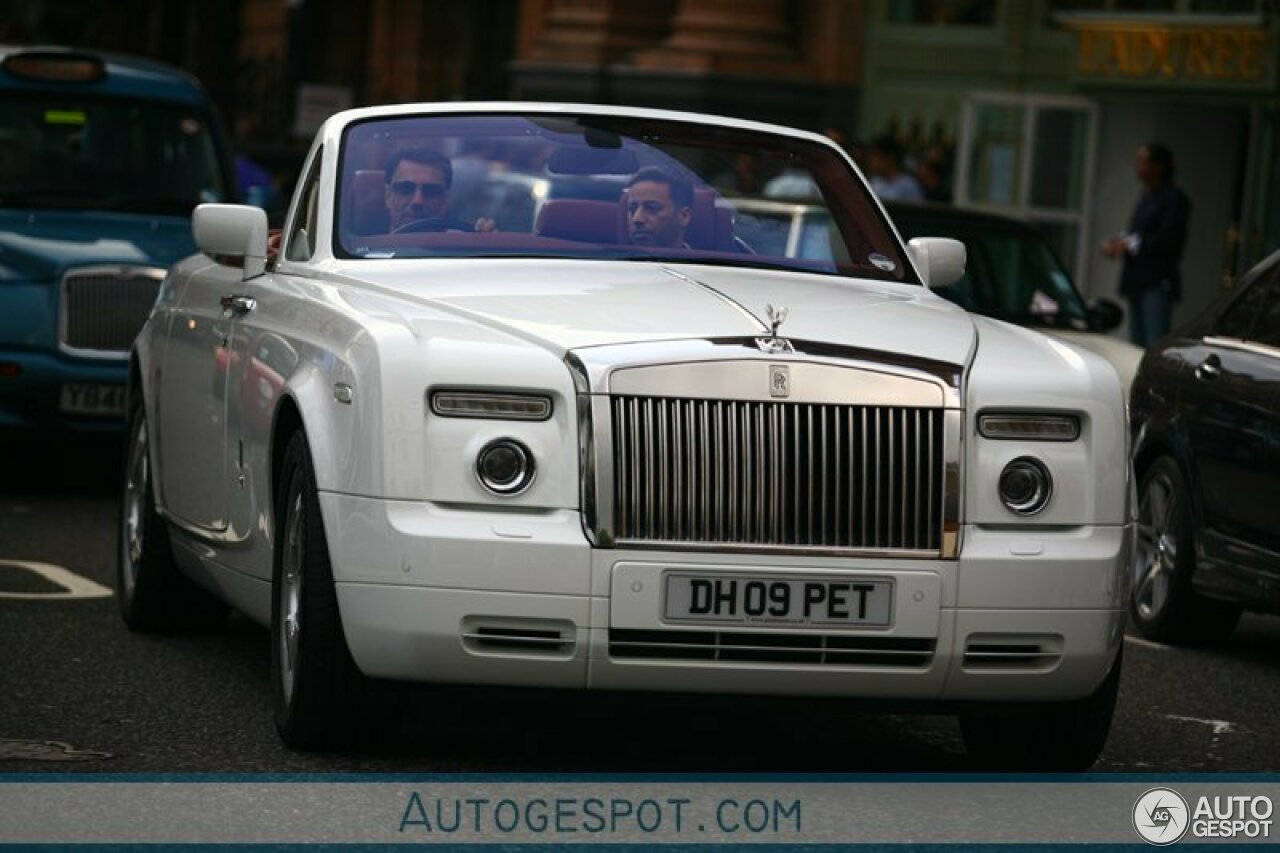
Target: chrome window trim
<point>105,270</point>
<point>1244,346</point>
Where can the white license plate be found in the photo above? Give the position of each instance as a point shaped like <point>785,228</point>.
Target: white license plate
<point>85,398</point>
<point>778,600</point>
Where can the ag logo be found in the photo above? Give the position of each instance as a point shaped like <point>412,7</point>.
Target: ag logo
<point>1161,816</point>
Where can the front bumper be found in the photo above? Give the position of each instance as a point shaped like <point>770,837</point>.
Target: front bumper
<point>431,593</point>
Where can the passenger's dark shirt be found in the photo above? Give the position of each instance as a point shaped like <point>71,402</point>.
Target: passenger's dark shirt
<point>1160,222</point>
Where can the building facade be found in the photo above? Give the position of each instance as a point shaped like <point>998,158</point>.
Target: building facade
<point>1041,105</point>
<point>1034,107</point>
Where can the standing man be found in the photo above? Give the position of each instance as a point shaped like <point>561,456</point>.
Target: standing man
<point>659,208</point>
<point>1152,247</point>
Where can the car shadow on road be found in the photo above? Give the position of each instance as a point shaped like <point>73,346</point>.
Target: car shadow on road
<point>510,730</point>
<point>61,464</point>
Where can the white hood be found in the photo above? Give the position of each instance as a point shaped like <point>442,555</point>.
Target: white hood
<point>1124,356</point>
<point>565,305</point>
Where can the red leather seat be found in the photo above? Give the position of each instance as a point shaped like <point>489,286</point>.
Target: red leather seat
<point>365,203</point>
<point>710,227</point>
<point>585,220</point>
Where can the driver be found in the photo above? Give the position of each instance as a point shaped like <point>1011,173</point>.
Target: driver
<point>418,182</point>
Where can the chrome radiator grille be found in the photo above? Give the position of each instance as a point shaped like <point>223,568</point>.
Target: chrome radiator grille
<point>103,309</point>
<point>780,474</point>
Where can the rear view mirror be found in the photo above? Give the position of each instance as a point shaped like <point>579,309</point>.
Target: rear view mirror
<point>1105,315</point>
<point>233,230</point>
<point>585,160</point>
<point>940,260</point>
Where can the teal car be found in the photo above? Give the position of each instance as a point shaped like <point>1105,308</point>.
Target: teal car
<point>102,159</point>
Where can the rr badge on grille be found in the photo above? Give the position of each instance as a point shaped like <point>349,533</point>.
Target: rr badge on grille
<point>779,380</point>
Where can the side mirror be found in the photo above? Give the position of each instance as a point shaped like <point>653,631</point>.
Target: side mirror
<point>1105,315</point>
<point>940,260</point>
<point>233,230</point>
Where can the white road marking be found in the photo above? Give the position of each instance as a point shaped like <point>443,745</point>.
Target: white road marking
<point>1220,727</point>
<point>1139,641</point>
<point>75,585</point>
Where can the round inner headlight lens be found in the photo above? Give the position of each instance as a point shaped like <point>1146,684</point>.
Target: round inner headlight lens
<point>505,466</point>
<point>1025,486</point>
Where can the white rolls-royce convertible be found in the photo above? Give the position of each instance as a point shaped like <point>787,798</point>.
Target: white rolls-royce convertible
<point>602,441</point>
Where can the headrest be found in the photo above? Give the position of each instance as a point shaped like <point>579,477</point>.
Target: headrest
<point>581,219</point>
<point>366,208</point>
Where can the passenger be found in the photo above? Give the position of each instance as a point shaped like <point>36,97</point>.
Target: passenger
<point>659,208</point>
<point>417,194</point>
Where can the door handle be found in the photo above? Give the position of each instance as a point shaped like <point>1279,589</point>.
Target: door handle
<point>1210,368</point>
<point>238,304</point>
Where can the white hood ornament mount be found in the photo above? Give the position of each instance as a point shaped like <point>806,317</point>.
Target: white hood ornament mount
<point>774,344</point>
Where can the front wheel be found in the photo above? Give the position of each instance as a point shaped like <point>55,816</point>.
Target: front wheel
<point>1163,604</point>
<point>153,593</point>
<point>322,700</point>
<point>1044,736</point>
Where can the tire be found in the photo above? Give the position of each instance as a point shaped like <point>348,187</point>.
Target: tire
<point>1163,604</point>
<point>322,700</point>
<point>1046,737</point>
<point>153,593</point>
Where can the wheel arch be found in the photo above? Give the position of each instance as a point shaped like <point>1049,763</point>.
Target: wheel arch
<point>287,421</point>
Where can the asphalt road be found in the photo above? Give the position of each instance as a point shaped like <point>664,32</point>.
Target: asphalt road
<point>79,692</point>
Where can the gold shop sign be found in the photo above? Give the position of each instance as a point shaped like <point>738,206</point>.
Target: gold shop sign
<point>1162,54</point>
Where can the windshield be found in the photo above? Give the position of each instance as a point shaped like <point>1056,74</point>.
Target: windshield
<point>62,151</point>
<point>606,187</point>
<point>1010,273</point>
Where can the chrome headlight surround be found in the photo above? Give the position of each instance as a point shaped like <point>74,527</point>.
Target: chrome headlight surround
<point>1025,486</point>
<point>490,405</point>
<point>505,467</point>
<point>1028,426</point>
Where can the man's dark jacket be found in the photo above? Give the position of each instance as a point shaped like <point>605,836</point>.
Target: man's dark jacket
<point>1160,221</point>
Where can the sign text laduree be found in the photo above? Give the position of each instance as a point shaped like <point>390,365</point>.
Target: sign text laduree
<point>1223,57</point>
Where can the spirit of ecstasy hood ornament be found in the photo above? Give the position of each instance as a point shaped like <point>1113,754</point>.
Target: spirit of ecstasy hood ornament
<point>773,343</point>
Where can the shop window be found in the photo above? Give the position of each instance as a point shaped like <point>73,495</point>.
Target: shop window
<point>1030,156</point>
<point>944,12</point>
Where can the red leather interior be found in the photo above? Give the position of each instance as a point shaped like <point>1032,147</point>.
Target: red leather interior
<point>580,219</point>
<point>366,203</point>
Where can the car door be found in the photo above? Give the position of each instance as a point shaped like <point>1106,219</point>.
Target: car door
<point>262,361</point>
<point>192,401</point>
<point>1233,425</point>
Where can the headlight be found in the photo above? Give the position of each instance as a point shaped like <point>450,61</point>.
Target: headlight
<point>1029,427</point>
<point>505,467</point>
<point>1025,486</point>
<point>481,404</point>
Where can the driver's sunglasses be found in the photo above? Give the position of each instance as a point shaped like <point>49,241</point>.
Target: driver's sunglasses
<point>429,191</point>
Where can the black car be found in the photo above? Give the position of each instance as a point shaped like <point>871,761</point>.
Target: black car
<point>1205,413</point>
<point>1012,274</point>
